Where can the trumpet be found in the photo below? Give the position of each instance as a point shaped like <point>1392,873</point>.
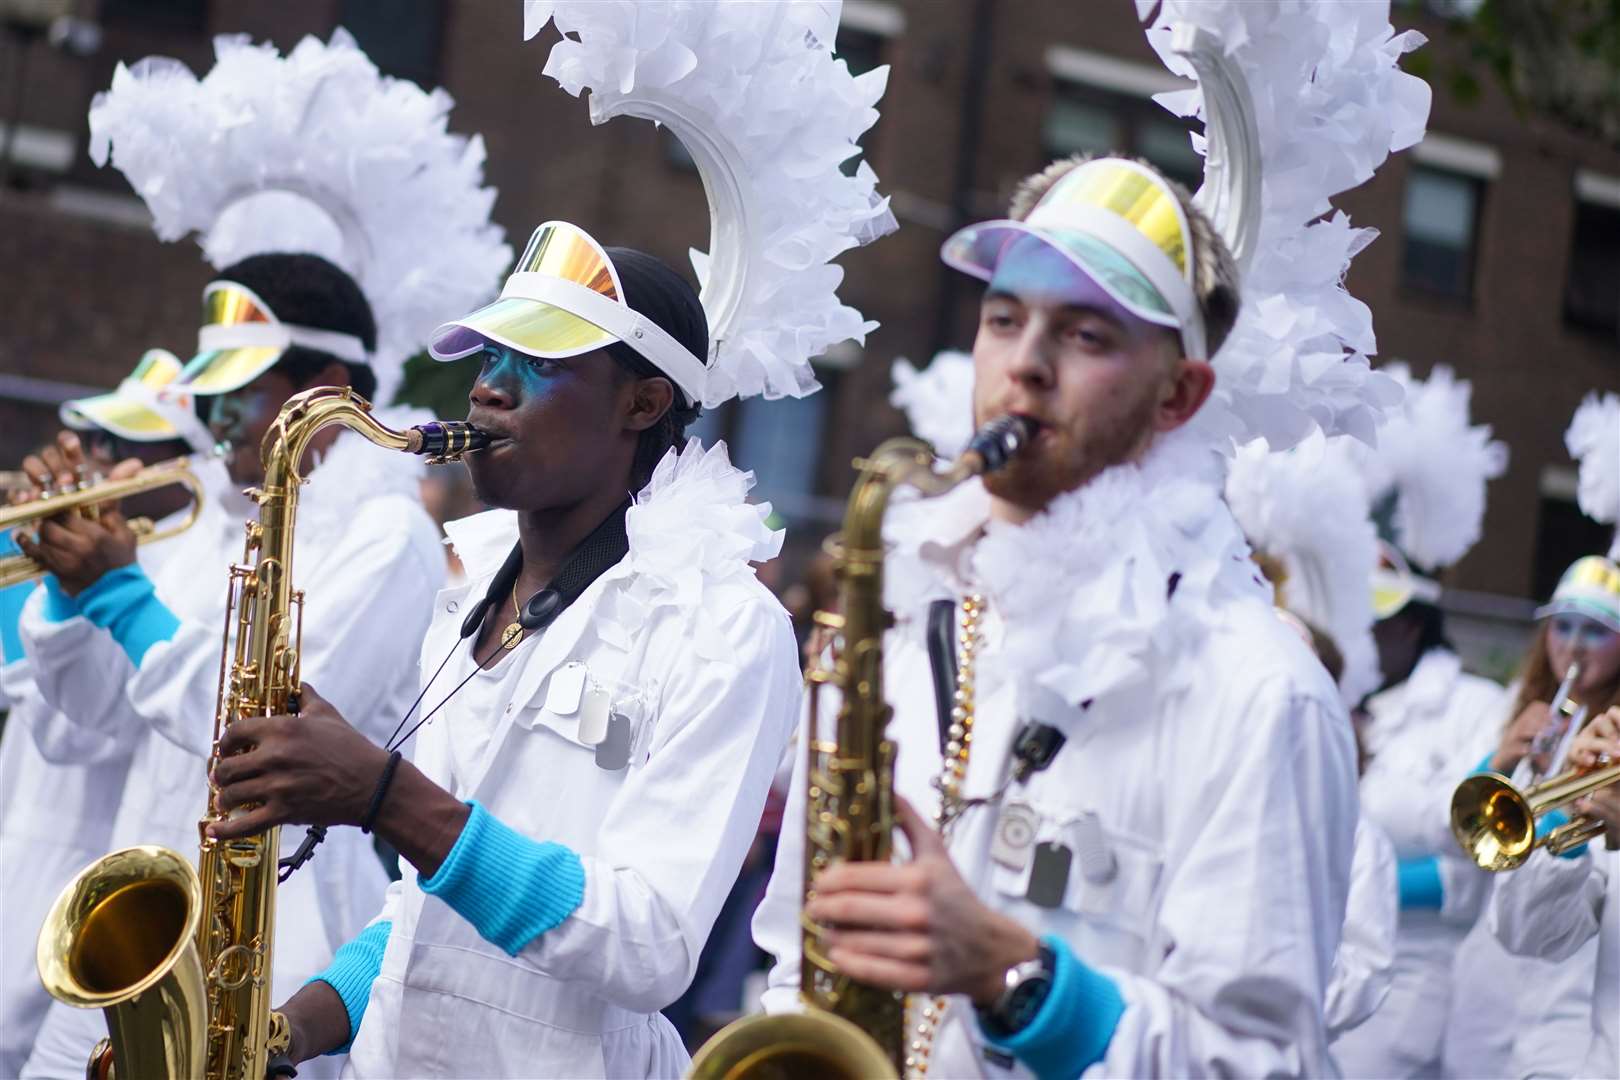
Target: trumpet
<point>15,569</point>
<point>1565,717</point>
<point>1495,822</point>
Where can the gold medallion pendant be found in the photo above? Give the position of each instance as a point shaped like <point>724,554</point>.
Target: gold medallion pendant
<point>511,636</point>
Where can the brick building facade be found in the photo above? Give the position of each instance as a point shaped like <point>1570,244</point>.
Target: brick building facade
<point>1481,225</point>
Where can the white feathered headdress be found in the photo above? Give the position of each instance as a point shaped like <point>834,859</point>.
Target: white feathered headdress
<point>753,92</point>
<point>1305,509</point>
<point>1593,439</point>
<point>312,152</point>
<point>937,400</point>
<point>1435,465</point>
<point>1302,101</point>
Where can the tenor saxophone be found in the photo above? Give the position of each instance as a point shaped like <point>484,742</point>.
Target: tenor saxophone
<point>179,959</point>
<point>850,1029</point>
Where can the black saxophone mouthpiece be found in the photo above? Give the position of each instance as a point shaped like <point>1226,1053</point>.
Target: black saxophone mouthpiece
<point>446,440</point>
<point>999,441</point>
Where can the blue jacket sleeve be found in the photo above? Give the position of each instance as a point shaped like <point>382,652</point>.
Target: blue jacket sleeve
<point>1075,1024</point>
<point>125,603</point>
<point>511,888</point>
<point>353,969</point>
<point>1420,884</point>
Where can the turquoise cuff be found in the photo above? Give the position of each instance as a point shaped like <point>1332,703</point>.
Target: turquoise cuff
<point>1420,885</point>
<point>1075,1024</point>
<point>353,969</point>
<point>11,605</point>
<point>511,888</point>
<point>59,606</point>
<point>1554,819</point>
<point>125,603</point>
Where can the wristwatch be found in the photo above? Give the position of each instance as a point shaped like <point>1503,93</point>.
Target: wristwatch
<point>1018,1003</point>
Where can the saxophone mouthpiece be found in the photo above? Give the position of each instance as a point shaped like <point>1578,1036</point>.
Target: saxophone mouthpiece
<point>1001,440</point>
<point>446,440</point>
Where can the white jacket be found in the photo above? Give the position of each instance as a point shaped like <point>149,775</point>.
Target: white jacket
<point>1215,765</point>
<point>368,559</point>
<point>1364,964</point>
<point>700,657</point>
<point>1549,908</point>
<point>1422,738</point>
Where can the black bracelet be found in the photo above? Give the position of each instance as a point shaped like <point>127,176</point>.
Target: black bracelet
<point>383,781</point>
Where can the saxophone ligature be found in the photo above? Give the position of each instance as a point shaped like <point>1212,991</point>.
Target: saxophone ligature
<point>179,959</point>
<point>849,1029</point>
<point>84,497</point>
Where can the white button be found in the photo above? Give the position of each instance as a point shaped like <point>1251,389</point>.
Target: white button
<point>452,606</point>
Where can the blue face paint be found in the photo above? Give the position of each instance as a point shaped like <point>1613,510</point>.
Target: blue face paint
<point>1580,630</point>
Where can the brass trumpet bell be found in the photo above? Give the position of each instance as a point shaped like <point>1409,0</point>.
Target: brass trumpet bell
<point>793,1046</point>
<point>1495,822</point>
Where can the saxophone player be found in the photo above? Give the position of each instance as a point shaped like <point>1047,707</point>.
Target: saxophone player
<point>617,689</point>
<point>103,627</point>
<point>1130,837</point>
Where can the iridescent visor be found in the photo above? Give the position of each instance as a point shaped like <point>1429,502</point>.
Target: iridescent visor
<point>564,299</point>
<point>1590,587</point>
<point>1395,584</point>
<point>1119,223</point>
<point>133,411</point>
<point>241,339</point>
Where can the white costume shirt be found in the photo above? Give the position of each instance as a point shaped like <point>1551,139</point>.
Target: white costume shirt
<point>55,818</point>
<point>1364,965</point>
<point>1423,737</point>
<point>368,559</point>
<point>1214,763</point>
<point>700,658</point>
<point>1549,908</point>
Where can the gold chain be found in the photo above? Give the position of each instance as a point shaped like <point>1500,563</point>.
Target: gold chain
<point>952,774</point>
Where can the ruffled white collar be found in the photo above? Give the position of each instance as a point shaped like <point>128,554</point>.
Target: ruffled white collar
<point>1098,588</point>
<point>691,526</point>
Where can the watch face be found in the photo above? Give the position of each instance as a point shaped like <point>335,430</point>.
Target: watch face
<point>1025,1001</point>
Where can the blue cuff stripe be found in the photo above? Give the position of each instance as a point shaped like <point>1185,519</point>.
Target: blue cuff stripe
<point>1420,885</point>
<point>124,602</point>
<point>59,606</point>
<point>1075,1024</point>
<point>353,969</point>
<point>11,606</point>
<point>511,888</point>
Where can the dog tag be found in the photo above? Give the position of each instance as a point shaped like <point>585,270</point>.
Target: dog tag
<point>567,683</point>
<point>1015,835</point>
<point>1049,874</point>
<point>613,752</point>
<point>593,713</point>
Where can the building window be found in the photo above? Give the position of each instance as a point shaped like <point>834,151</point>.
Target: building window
<point>1442,217</point>
<point>157,14</point>
<point>1563,534</point>
<point>1592,294</point>
<point>402,37</point>
<point>1084,119</point>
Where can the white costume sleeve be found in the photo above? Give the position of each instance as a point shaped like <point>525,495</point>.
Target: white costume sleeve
<point>1549,907</point>
<point>1254,901</point>
<point>79,673</point>
<point>1363,966</point>
<point>354,623</point>
<point>679,828</point>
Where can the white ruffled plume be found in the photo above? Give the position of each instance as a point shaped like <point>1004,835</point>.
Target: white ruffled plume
<point>315,151</point>
<point>937,400</point>
<point>761,81</point>
<point>1331,104</point>
<point>1306,508</point>
<point>1435,463</point>
<point>693,523</point>
<point>1593,440</point>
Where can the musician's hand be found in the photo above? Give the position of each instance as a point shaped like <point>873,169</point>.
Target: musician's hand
<point>917,927</point>
<point>316,1020</point>
<point>309,769</point>
<point>1519,736</point>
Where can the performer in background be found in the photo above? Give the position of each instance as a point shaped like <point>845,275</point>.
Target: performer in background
<point>1429,722</point>
<point>1554,907</point>
<point>60,786</point>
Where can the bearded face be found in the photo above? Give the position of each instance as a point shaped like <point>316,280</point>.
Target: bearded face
<point>1054,347</point>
